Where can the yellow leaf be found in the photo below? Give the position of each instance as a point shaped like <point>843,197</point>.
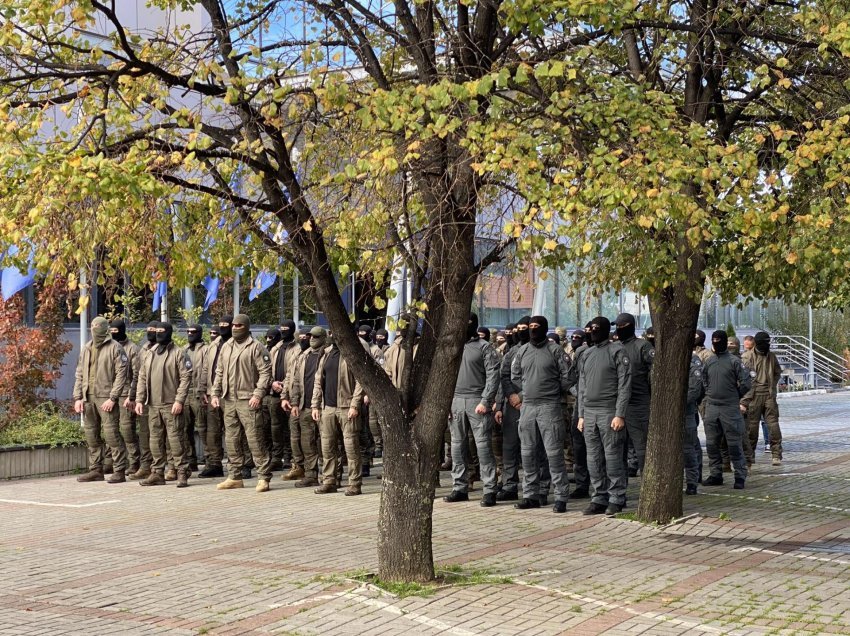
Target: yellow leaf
<point>791,258</point>
<point>308,226</point>
<point>652,193</point>
<point>550,245</point>
<point>644,221</point>
<point>587,247</point>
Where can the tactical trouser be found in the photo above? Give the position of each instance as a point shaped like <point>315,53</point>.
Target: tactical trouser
<point>127,425</point>
<point>196,412</point>
<point>278,444</point>
<point>579,454</point>
<point>608,477</point>
<point>334,423</point>
<point>637,426</point>
<point>725,419</point>
<point>375,428</point>
<point>567,408</point>
<point>690,448</point>
<point>367,445</point>
<point>243,432</point>
<point>543,423</point>
<point>168,431</point>
<point>498,447</point>
<point>511,449</point>
<point>763,404</point>
<point>304,435</point>
<point>465,420</point>
<point>213,451</point>
<point>96,422</point>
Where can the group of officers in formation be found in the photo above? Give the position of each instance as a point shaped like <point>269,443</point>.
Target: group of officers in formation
<point>531,398</point>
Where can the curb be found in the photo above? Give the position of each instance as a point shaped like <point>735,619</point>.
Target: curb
<point>793,394</point>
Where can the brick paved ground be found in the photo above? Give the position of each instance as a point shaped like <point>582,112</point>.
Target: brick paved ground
<point>121,559</point>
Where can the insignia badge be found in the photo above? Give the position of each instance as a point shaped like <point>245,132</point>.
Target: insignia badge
<point>266,358</point>
<point>123,357</point>
<point>188,364</point>
<point>752,374</point>
<point>652,353</point>
<point>697,374</point>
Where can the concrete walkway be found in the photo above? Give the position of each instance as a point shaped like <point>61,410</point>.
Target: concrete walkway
<point>120,559</point>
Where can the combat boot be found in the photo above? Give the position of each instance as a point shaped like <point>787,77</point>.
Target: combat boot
<point>262,485</point>
<point>183,480</point>
<point>325,489</point>
<point>154,479</point>
<point>277,464</point>
<point>352,491</point>
<point>307,482</point>
<point>170,474</point>
<point>295,473</point>
<point>107,469</point>
<point>230,484</point>
<point>118,477</point>
<point>142,473</point>
<point>92,475</point>
<point>211,471</point>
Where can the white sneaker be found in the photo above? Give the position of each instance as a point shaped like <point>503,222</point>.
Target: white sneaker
<point>767,448</point>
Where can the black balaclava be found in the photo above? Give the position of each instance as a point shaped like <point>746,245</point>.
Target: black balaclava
<point>600,330</point>
<point>537,335</point>
<point>625,327</point>
<point>365,332</point>
<point>194,335</point>
<point>273,336</point>
<point>287,331</point>
<point>649,335</point>
<point>522,335</point>
<point>554,337</point>
<point>762,339</point>
<point>150,332</point>
<point>241,334</point>
<point>472,327</point>
<point>381,337</point>
<point>118,329</point>
<point>587,339</point>
<point>500,338</point>
<point>225,328</point>
<point>719,341</point>
<point>699,338</point>
<point>163,338</point>
<point>577,339</point>
<point>510,336</point>
<point>484,333</point>
<point>214,332</point>
<point>304,339</point>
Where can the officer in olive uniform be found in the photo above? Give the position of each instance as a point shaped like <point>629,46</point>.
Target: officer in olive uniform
<point>127,419</point>
<point>214,438</point>
<point>144,434</point>
<point>195,414</point>
<point>760,401</point>
<point>164,383</point>
<point>283,357</point>
<point>242,377</point>
<point>102,373</point>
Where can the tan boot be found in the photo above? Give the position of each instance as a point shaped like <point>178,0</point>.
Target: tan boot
<point>353,491</point>
<point>295,473</point>
<point>230,484</point>
<point>118,477</point>
<point>142,473</point>
<point>262,485</point>
<point>325,489</point>
<point>183,480</point>
<point>170,474</point>
<point>154,479</point>
<point>92,475</point>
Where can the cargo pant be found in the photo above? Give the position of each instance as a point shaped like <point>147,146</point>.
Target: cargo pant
<point>580,471</point>
<point>720,420</point>
<point>334,423</point>
<point>279,443</point>
<point>213,451</point>
<point>168,432</point>
<point>242,422</point>
<point>303,434</point>
<point>138,448</point>
<point>691,450</point>
<point>637,427</point>
<point>375,428</point>
<point>608,476</point>
<point>96,422</point>
<point>465,420</point>
<point>543,423</point>
<point>196,414</point>
<point>511,456</point>
<point>763,405</point>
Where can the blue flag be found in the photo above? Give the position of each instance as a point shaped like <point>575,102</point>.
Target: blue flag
<point>160,293</point>
<point>12,280</point>
<point>211,285</point>
<point>262,283</point>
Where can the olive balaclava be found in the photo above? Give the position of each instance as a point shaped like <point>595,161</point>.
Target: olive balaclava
<point>762,339</point>
<point>163,338</point>
<point>150,332</point>
<point>225,328</point>
<point>100,331</point>
<point>719,341</point>
<point>243,330</point>
<point>537,335</point>
<point>521,332</point>
<point>287,331</point>
<point>381,337</point>
<point>699,338</point>
<point>318,338</point>
<point>118,329</point>
<point>273,336</point>
<point>625,327</point>
<point>600,330</point>
<point>194,335</point>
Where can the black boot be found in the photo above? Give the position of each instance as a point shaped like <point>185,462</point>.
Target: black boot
<point>455,496</point>
<point>527,504</point>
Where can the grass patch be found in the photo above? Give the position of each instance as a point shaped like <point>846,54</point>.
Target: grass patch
<point>447,576</point>
<point>724,517</point>
<point>628,516</point>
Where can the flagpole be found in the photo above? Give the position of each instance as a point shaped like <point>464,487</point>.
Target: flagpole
<point>296,310</point>
<point>163,306</point>
<point>83,317</point>
<point>236,292</point>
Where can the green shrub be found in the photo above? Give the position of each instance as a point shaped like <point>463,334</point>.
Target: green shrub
<point>44,424</point>
<point>730,330</point>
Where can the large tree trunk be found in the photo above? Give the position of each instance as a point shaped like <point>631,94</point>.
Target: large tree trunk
<point>675,311</point>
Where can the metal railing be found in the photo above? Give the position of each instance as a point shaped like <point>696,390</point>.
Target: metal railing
<point>820,365</point>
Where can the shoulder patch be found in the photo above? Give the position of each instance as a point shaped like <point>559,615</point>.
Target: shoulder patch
<point>652,352</point>
<point>266,357</point>
<point>626,360</point>
<point>188,364</point>
<point>123,357</point>
<point>752,374</point>
<point>697,373</point>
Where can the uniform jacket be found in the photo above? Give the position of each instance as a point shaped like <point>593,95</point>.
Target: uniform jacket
<point>394,360</point>
<point>134,358</point>
<point>169,372</point>
<point>111,374</point>
<point>542,372</point>
<point>703,353</point>
<point>604,378</point>
<point>726,380</point>
<point>765,372</point>
<point>478,376</point>
<point>293,389</point>
<point>243,370</point>
<point>641,354</point>
<point>198,359</point>
<point>696,391</point>
<point>207,374</point>
<point>292,350</point>
<point>349,392</point>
